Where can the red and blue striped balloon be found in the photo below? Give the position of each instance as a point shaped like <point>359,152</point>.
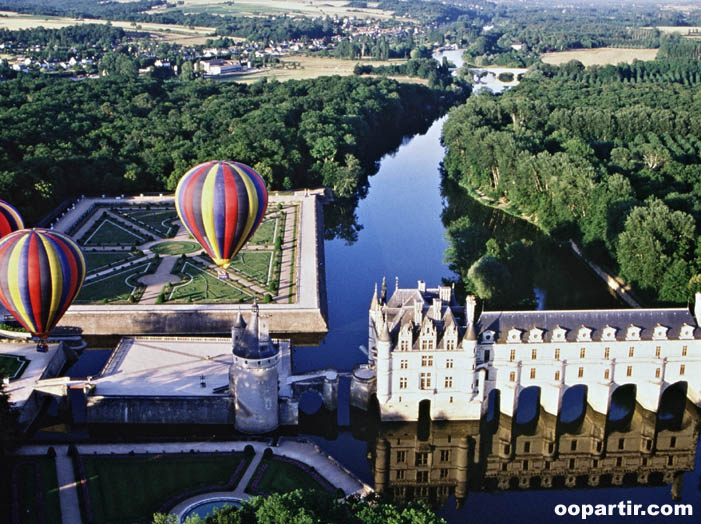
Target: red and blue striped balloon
<point>10,219</point>
<point>221,204</point>
<point>41,272</point>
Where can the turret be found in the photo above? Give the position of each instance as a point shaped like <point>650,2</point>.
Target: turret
<point>384,343</point>
<point>237,331</point>
<point>697,307</point>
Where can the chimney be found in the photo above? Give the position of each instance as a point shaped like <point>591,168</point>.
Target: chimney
<point>422,286</point>
<point>437,306</point>
<point>418,307</point>
<point>697,307</point>
<point>445,292</point>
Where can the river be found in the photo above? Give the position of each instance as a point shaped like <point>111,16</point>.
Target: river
<point>402,236</point>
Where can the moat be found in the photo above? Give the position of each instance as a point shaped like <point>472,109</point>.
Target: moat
<point>402,236</point>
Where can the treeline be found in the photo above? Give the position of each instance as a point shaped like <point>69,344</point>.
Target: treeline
<point>680,48</point>
<point>80,8</point>
<point>614,165</point>
<point>437,73</point>
<point>129,135</point>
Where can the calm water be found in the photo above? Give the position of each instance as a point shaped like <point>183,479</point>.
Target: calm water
<point>402,236</point>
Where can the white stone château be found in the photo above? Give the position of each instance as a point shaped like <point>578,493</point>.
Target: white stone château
<point>427,351</point>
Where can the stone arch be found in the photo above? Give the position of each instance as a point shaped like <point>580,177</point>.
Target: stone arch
<point>491,413</point>
<point>574,404</point>
<point>672,404</point>
<point>622,405</point>
<point>528,406</point>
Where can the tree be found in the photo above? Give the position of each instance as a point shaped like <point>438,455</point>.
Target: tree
<point>490,278</point>
<point>9,426</point>
<point>303,507</point>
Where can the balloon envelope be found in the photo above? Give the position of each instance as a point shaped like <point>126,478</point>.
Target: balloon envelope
<point>221,204</point>
<point>10,220</point>
<point>41,272</point>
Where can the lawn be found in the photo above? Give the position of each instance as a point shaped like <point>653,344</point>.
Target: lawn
<point>175,248</point>
<point>252,264</point>
<point>110,233</point>
<point>265,232</point>
<point>158,219</point>
<point>125,489</point>
<point>278,474</point>
<point>12,365</point>
<point>204,287</point>
<point>35,478</point>
<point>100,259</point>
<point>116,287</point>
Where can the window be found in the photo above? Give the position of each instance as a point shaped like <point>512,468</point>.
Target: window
<point>621,443</point>
<point>534,354</point>
<point>401,457</point>
<point>507,449</point>
<point>448,382</point>
<point>403,364</point>
<point>631,351</point>
<point>512,355</point>
<point>580,373</point>
<point>683,351</point>
<point>445,455</point>
<point>444,473</point>
<point>571,463</point>
<point>582,352</point>
<point>404,345</point>
<point>512,376</point>
<point>682,368</point>
<point>673,442</point>
<point>449,363</point>
<point>527,447</point>
<point>644,461</point>
<point>426,360</point>
<point>658,349</point>
<point>657,373</point>
<point>421,458</point>
<point>596,463</point>
<point>403,382</point>
<point>400,474</point>
<point>425,381</point>
<point>557,353</point>
<point>557,375</point>
<point>619,462</point>
<point>450,345</point>
<point>573,445</point>
<point>424,344</point>
<point>532,372</point>
<point>629,371</point>
<point>606,374</point>
<point>422,476</point>
<point>547,464</point>
<point>607,353</point>
<point>525,465</point>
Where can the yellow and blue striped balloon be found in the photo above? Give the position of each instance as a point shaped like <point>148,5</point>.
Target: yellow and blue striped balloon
<point>221,204</point>
<point>10,219</point>
<point>41,272</point>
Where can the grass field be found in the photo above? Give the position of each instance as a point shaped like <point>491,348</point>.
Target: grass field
<point>12,365</point>
<point>98,259</point>
<point>38,490</point>
<point>203,287</point>
<point>313,67</point>
<point>175,247</point>
<point>124,490</point>
<point>158,219</point>
<point>600,56</point>
<point>110,233</point>
<point>678,29</point>
<point>312,8</point>
<point>116,288</point>
<point>253,264</point>
<point>280,477</point>
<point>265,233</point>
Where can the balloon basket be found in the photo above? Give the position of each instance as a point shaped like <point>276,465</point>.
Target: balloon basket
<point>42,347</point>
<point>222,275</point>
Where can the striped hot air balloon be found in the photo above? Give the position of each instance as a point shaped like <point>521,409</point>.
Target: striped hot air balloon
<point>10,220</point>
<point>41,272</point>
<point>221,204</point>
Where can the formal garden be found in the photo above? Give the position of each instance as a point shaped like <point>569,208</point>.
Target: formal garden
<point>35,491</point>
<point>12,366</point>
<point>124,243</point>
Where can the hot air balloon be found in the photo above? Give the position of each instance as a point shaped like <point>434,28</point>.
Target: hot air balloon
<point>41,272</point>
<point>221,204</point>
<point>10,220</point>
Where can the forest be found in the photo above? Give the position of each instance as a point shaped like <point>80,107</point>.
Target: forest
<point>59,138</point>
<point>607,156</point>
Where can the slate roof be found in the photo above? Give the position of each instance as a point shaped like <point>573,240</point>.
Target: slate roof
<point>502,321</point>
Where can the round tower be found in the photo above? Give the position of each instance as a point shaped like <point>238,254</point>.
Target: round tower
<point>253,376</point>
<point>384,377</point>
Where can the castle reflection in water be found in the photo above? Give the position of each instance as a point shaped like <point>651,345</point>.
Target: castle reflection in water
<point>432,460</point>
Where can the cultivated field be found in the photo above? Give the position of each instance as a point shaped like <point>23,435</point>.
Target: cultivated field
<point>313,67</point>
<point>599,56</point>
<point>311,8</point>
<point>679,29</point>
<point>172,33</point>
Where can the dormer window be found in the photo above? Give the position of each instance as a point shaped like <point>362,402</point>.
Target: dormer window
<point>514,335</point>
<point>535,335</point>
<point>488,336</point>
<point>659,333</point>
<point>584,334</point>
<point>633,333</point>
<point>687,331</point>
<point>609,333</point>
<point>559,334</point>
